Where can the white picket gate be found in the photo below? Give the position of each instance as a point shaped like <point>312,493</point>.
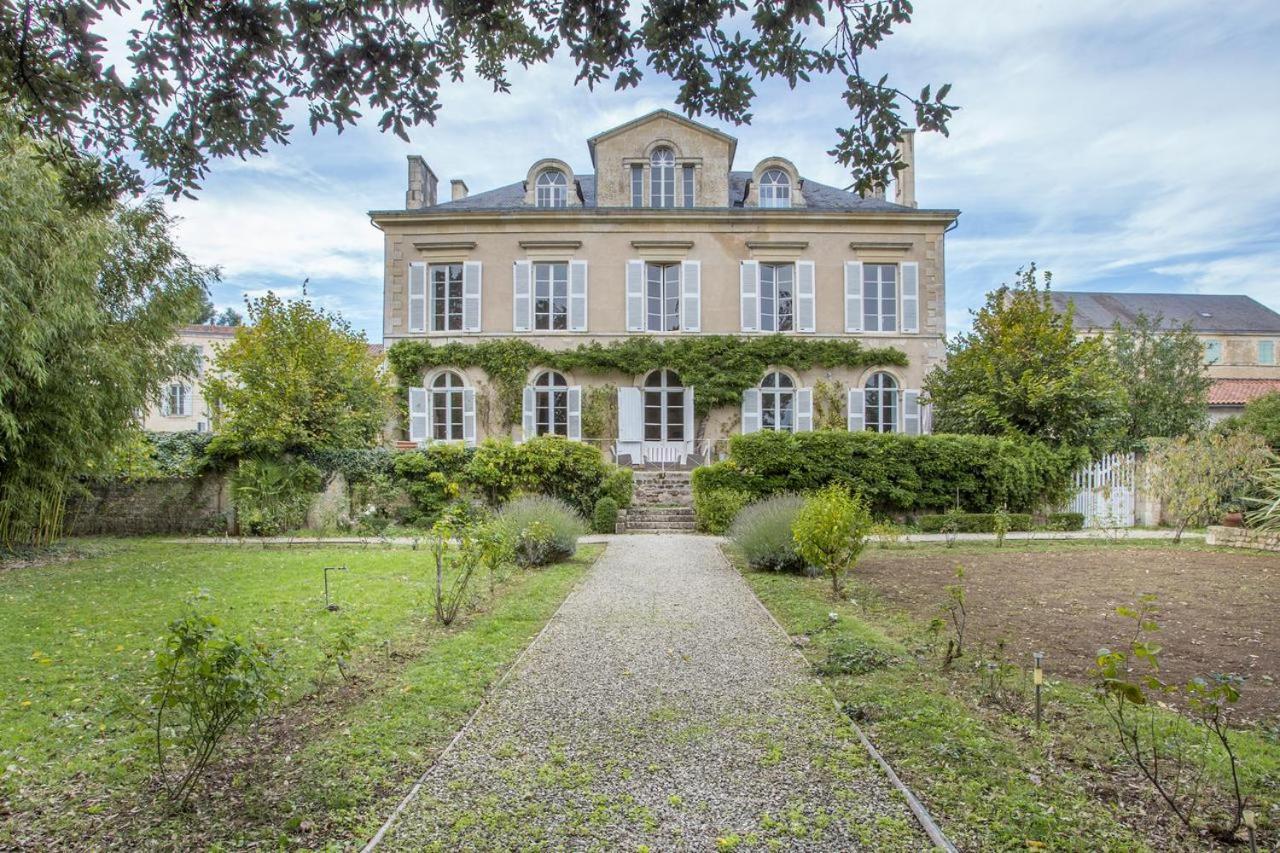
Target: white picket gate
<point>1106,491</point>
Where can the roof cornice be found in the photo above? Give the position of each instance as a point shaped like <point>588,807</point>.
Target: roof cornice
<point>569,216</point>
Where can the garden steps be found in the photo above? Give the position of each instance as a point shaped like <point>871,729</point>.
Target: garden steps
<point>662,502</point>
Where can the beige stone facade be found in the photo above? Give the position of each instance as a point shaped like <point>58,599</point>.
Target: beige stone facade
<point>182,406</point>
<point>663,201</point>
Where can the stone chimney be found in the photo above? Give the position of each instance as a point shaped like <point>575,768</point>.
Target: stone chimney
<point>459,188</point>
<point>904,185</point>
<point>422,185</point>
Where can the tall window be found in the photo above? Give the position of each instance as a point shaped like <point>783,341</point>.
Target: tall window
<point>687,186</point>
<point>446,407</point>
<point>778,402</point>
<point>662,297</point>
<point>1212,352</point>
<point>777,290</point>
<point>880,297</point>
<point>446,297</point>
<point>775,189</point>
<point>662,178</point>
<point>637,185</point>
<point>663,407</point>
<point>176,402</point>
<point>882,403</point>
<point>1266,352</point>
<point>552,189</point>
<point>551,296</point>
<point>551,404</point>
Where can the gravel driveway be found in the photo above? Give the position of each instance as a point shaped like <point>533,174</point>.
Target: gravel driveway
<point>661,709</point>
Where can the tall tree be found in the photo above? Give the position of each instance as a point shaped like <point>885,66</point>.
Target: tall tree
<point>297,378</point>
<point>204,80</point>
<point>1161,369</point>
<point>89,300</point>
<point>1024,371</point>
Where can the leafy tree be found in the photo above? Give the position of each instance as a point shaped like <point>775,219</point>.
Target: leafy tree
<point>1161,369</point>
<point>1023,371</point>
<point>1262,417</point>
<point>228,317</point>
<point>89,300</point>
<point>296,379</point>
<point>209,80</point>
<point>830,532</point>
<point>1194,475</point>
<point>207,314</point>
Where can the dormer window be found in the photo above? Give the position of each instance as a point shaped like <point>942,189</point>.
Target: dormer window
<point>775,189</point>
<point>662,178</point>
<point>552,189</point>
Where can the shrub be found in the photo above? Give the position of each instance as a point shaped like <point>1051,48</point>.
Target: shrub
<point>548,465</point>
<point>1066,521</point>
<point>717,508</point>
<point>762,531</point>
<point>453,543</point>
<point>971,522</point>
<point>543,529</point>
<point>432,477</point>
<point>604,519</point>
<point>619,486</point>
<point>850,656</point>
<point>830,531</point>
<point>494,471</point>
<point>272,496</point>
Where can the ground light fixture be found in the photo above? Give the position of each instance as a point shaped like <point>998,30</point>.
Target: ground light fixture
<point>327,605</point>
<point>1037,676</point>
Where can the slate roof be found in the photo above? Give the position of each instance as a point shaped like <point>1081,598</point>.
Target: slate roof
<point>1237,392</point>
<point>1206,312</point>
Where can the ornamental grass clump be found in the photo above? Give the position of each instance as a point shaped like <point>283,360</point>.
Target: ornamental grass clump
<point>830,531</point>
<point>762,532</point>
<point>544,529</point>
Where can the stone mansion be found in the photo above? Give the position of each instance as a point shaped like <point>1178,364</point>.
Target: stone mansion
<point>663,239</point>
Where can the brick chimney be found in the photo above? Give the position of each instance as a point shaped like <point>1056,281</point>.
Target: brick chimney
<point>422,185</point>
<point>459,188</point>
<point>904,185</point>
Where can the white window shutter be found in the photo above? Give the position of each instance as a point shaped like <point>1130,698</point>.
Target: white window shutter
<point>630,415</point>
<point>469,416</point>
<point>911,298</point>
<point>911,412</point>
<point>857,410</point>
<point>522,296</point>
<point>691,296</point>
<point>635,296</point>
<point>575,413</point>
<point>688,416</point>
<point>750,289</point>
<point>853,296</point>
<point>750,411</point>
<point>417,297</point>
<point>418,415</point>
<point>528,410</point>
<point>806,309</point>
<point>926,419</point>
<point>471,296</point>
<point>804,410</point>
<point>577,296</point>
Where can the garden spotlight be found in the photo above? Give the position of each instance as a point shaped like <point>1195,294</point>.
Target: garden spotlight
<point>327,569</point>
<point>1037,676</point>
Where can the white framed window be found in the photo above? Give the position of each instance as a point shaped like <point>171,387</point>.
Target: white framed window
<point>687,186</point>
<point>446,297</point>
<point>551,296</point>
<point>775,189</point>
<point>637,185</point>
<point>551,189</point>
<point>777,297</point>
<point>446,407</point>
<point>662,178</point>
<point>176,402</point>
<point>663,407</point>
<point>551,404</point>
<point>881,403</point>
<point>1212,352</point>
<point>1266,352</point>
<point>880,297</point>
<point>662,297</point>
<point>778,402</point>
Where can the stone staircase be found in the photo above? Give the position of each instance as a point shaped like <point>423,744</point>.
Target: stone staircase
<point>662,502</point>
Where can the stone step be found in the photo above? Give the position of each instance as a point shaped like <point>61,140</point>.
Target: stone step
<point>660,526</point>
<point>636,517</point>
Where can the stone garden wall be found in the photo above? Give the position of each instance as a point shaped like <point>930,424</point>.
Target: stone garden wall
<point>186,505</point>
<point>1241,537</point>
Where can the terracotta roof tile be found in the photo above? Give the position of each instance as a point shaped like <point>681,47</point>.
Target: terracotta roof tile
<point>1237,392</point>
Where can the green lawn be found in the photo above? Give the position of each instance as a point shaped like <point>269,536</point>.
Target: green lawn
<point>76,642</point>
<point>994,781</point>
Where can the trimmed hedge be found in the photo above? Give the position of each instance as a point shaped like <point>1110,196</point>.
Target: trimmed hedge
<point>716,509</point>
<point>1066,521</point>
<point>973,522</point>
<point>897,473</point>
<point>604,519</point>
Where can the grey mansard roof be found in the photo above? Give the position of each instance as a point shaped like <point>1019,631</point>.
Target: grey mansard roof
<point>1206,312</point>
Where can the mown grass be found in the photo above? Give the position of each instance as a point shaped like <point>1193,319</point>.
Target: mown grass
<point>992,779</point>
<point>76,646</point>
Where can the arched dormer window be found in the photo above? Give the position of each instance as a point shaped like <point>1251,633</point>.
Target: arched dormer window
<point>775,189</point>
<point>662,178</point>
<point>552,189</point>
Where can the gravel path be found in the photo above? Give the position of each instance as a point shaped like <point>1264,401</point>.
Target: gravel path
<point>661,707</point>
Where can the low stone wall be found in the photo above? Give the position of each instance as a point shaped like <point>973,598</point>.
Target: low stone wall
<point>190,505</point>
<point>1241,537</point>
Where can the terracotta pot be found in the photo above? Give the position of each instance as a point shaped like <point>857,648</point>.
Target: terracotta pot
<point>1233,519</point>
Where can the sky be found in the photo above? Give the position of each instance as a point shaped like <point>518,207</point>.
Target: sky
<point>1122,145</point>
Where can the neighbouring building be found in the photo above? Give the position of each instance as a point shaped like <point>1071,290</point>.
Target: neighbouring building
<point>1240,336</point>
<point>182,406</point>
<point>664,238</point>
